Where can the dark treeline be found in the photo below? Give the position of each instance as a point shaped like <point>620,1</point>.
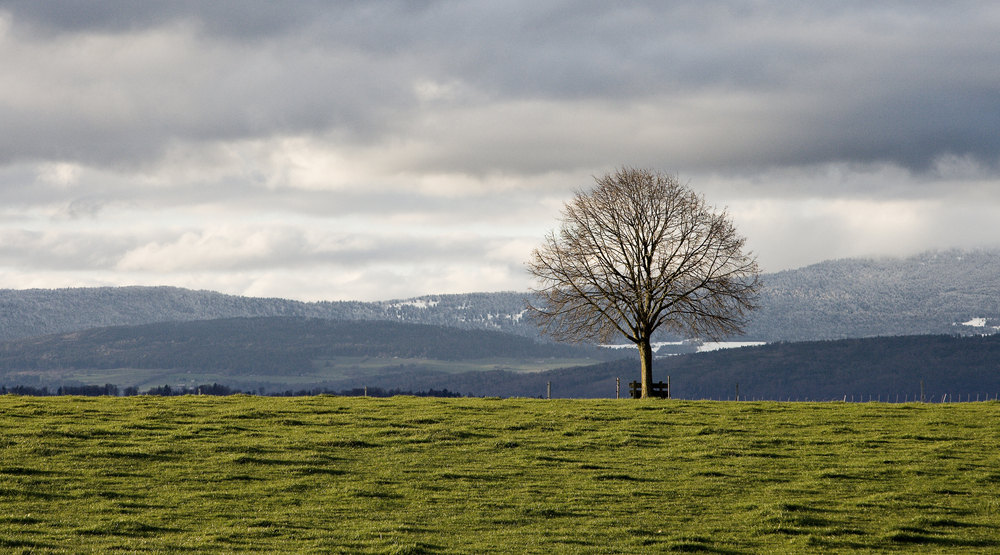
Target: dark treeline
<point>213,389</point>
<point>84,390</point>
<point>367,392</point>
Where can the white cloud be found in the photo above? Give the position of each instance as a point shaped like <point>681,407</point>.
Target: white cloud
<point>60,174</point>
<point>213,249</point>
<point>318,150</point>
<point>789,233</point>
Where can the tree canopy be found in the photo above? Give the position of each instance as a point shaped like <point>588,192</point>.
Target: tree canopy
<point>637,253</point>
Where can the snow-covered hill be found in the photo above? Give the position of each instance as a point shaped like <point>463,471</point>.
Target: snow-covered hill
<point>951,292</point>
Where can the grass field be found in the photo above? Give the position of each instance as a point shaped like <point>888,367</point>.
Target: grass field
<point>407,475</point>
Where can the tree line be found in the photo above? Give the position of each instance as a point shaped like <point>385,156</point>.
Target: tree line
<point>111,390</point>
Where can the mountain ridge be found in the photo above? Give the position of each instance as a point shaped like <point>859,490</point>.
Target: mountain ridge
<point>275,354</point>
<point>930,293</point>
<point>272,353</point>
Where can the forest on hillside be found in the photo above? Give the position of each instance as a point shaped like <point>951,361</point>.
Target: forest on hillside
<point>881,368</point>
<point>278,345</point>
<point>932,293</point>
<point>279,354</point>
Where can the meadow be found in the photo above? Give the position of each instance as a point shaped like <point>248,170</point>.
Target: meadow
<point>409,475</point>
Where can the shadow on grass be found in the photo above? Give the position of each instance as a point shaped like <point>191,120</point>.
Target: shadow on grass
<point>617,477</point>
<point>682,544</point>
<point>29,494</point>
<point>263,461</point>
<point>417,548</point>
<point>129,529</point>
<point>23,471</point>
<point>549,512</point>
<point>25,545</point>
<point>348,444</point>
<point>921,537</point>
<point>696,547</point>
<point>315,470</point>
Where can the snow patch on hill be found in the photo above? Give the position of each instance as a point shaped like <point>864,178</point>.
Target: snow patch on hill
<point>717,345</point>
<point>416,303</point>
<point>697,346</point>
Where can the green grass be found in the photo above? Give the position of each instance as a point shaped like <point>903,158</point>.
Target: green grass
<point>407,475</point>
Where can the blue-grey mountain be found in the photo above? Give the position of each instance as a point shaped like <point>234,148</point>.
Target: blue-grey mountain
<point>932,293</point>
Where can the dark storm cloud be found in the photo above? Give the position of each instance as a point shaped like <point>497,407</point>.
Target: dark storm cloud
<point>234,18</point>
<point>902,83</point>
<point>397,148</point>
<point>124,83</point>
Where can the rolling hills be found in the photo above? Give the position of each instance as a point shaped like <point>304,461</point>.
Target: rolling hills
<point>887,369</point>
<point>32,312</point>
<point>276,354</point>
<point>931,293</point>
<point>926,294</point>
<point>481,344</point>
<point>273,353</point>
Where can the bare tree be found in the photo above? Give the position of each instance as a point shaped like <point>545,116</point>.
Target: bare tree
<point>637,253</point>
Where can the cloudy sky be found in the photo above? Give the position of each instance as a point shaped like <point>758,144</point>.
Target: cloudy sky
<point>377,150</point>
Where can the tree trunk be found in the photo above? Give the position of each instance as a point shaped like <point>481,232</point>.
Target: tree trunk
<point>646,366</point>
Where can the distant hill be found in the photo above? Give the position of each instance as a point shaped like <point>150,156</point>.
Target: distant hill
<point>32,312</point>
<point>933,293</point>
<point>270,353</point>
<point>273,354</point>
<point>877,366</point>
<point>273,342</point>
<point>885,368</point>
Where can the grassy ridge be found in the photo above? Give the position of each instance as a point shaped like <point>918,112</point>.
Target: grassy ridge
<point>410,475</point>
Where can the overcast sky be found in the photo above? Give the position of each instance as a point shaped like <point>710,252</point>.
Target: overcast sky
<point>377,150</point>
